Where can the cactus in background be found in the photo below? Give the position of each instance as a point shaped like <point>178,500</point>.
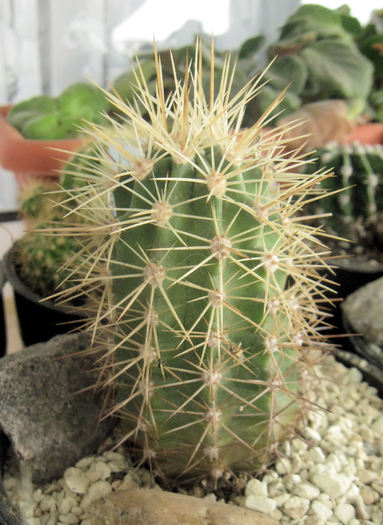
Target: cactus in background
<point>358,172</point>
<point>211,284</point>
<point>37,202</point>
<point>41,255</point>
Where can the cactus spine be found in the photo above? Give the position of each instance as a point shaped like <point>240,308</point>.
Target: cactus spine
<point>358,172</point>
<point>211,343</point>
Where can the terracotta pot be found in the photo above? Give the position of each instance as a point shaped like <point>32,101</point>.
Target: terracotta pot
<point>38,159</point>
<point>367,134</point>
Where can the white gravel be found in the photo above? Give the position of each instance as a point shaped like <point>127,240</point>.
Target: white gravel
<point>332,474</point>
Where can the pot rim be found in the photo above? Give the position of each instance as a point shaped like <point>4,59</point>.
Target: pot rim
<point>39,157</point>
<point>352,265</point>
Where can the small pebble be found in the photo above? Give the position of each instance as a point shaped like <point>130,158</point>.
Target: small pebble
<point>306,490</point>
<point>260,503</point>
<point>66,505</point>
<point>321,510</point>
<point>48,503</point>
<point>317,455</point>
<point>378,425</point>
<point>97,471</point>
<point>378,486</point>
<point>283,466</point>
<point>96,491</point>
<point>85,462</point>
<point>367,476</point>
<point>296,507</point>
<point>256,488</point>
<point>344,512</point>
<point>332,483</point>
<point>68,518</point>
<point>76,480</point>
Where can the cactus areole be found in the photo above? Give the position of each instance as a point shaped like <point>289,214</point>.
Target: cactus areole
<point>211,283</point>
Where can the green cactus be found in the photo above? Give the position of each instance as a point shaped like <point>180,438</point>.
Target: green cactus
<point>39,257</point>
<point>356,188</point>
<point>210,282</point>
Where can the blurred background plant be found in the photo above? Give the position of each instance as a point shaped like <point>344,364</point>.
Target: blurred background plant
<point>355,207</point>
<point>41,255</point>
<point>99,41</point>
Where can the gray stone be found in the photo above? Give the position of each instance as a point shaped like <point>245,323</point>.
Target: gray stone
<point>363,311</point>
<point>157,507</point>
<point>50,424</point>
<point>8,514</point>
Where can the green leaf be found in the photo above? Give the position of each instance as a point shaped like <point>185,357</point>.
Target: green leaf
<point>41,127</point>
<point>30,108</point>
<point>312,18</point>
<point>83,101</point>
<point>351,25</point>
<point>288,69</point>
<point>343,9</point>
<point>372,48</point>
<point>251,46</point>
<point>339,68</point>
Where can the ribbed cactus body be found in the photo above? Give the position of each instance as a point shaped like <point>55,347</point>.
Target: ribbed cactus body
<point>210,281</point>
<point>358,172</point>
<point>209,358</point>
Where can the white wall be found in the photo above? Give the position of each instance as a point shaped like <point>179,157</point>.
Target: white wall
<point>46,45</point>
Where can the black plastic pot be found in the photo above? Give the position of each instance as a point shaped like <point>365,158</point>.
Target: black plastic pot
<point>39,319</point>
<point>3,333</point>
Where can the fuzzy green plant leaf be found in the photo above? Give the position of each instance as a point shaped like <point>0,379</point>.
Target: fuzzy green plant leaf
<point>338,69</point>
<point>328,43</point>
<point>211,285</point>
<point>372,48</point>
<point>288,70</point>
<point>315,19</point>
<point>251,46</point>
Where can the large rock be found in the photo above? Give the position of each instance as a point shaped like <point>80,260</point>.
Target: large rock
<point>8,514</point>
<point>363,311</point>
<point>50,424</point>
<point>156,507</point>
<point>362,315</point>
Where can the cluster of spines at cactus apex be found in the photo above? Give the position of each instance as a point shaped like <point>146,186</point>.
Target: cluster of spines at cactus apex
<point>211,294</point>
